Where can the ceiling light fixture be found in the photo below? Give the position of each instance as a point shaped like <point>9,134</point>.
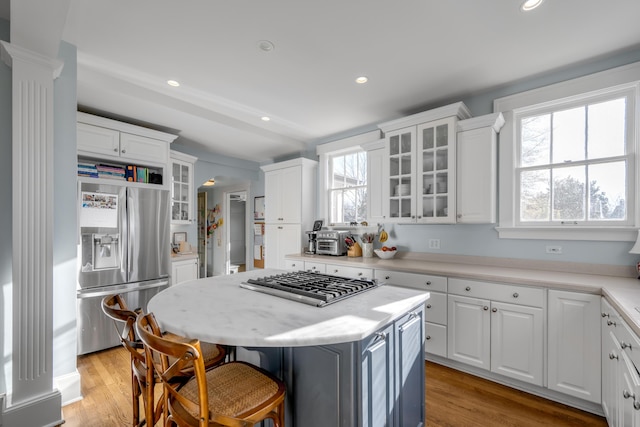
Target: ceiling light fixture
<point>362,80</point>
<point>265,118</point>
<point>173,83</point>
<point>266,45</point>
<point>528,5</point>
<point>209,182</point>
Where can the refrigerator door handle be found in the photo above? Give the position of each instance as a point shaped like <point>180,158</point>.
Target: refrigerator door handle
<point>104,292</point>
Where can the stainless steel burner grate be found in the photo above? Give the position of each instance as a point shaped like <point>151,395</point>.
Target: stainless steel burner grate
<point>311,288</point>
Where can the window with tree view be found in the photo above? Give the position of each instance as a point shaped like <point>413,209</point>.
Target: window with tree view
<point>573,164</point>
<point>348,187</point>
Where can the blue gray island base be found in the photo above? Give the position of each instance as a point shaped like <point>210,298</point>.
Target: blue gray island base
<point>378,381</point>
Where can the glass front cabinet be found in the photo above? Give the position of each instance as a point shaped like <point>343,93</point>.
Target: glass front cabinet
<point>419,168</point>
<point>182,209</point>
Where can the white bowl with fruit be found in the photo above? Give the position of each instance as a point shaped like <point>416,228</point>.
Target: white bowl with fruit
<point>386,252</point>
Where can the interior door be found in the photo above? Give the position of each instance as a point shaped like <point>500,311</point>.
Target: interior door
<point>202,232</point>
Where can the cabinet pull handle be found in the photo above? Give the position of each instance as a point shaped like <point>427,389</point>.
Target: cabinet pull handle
<point>625,345</point>
<point>279,228</point>
<point>605,314</point>
<point>495,310</point>
<point>428,283</point>
<point>468,288</point>
<point>613,356</point>
<point>428,305</point>
<point>485,308</point>
<point>386,277</point>
<point>380,336</point>
<point>515,295</point>
<point>611,322</point>
<point>626,394</point>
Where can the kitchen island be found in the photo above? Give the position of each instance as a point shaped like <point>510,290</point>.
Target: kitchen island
<point>357,362</point>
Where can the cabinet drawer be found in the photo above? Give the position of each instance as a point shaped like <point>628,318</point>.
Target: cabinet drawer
<point>293,264</point>
<point>523,295</point>
<point>629,342</point>
<point>315,266</point>
<point>435,339</point>
<point>412,280</point>
<point>353,272</point>
<point>435,309</point>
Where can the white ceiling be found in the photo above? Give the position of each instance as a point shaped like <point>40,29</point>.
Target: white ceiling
<point>415,52</point>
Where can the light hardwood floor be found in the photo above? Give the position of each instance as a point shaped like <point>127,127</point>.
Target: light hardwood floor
<point>453,399</point>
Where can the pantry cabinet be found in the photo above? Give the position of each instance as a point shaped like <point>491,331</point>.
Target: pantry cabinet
<point>182,190</point>
<point>419,168</point>
<point>574,344</point>
<point>502,332</point>
<point>290,208</point>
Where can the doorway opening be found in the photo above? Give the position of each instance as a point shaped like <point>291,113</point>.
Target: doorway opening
<point>235,230</point>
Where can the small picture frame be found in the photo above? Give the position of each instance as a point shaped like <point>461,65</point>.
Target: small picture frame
<point>179,237</point>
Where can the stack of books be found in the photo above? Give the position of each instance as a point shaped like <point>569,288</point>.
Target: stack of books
<point>137,174</point>
<point>87,170</point>
<point>110,171</point>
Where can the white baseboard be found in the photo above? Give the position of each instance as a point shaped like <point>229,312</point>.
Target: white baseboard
<point>69,387</point>
<point>45,411</point>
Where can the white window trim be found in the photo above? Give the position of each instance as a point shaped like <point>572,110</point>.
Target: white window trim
<point>628,77</point>
<point>325,152</point>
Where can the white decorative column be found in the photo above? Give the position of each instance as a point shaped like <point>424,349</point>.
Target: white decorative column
<point>33,400</point>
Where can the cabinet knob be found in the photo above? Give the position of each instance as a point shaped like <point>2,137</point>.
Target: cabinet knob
<point>468,288</point>
<point>124,151</point>
<point>495,310</point>
<point>605,314</point>
<point>636,405</point>
<point>459,216</point>
<point>626,394</point>
<point>611,323</point>
<point>613,356</point>
<point>335,271</point>
<point>386,277</point>
<point>115,150</point>
<point>625,345</point>
<point>313,268</point>
<point>413,216</point>
<point>360,274</point>
<point>428,337</point>
<point>428,283</point>
<point>485,308</point>
<point>515,295</point>
<point>428,305</point>
<point>419,217</point>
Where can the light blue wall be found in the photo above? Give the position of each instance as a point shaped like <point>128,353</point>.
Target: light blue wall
<point>5,211</point>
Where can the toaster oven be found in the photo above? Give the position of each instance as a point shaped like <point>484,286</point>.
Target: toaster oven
<point>331,242</point>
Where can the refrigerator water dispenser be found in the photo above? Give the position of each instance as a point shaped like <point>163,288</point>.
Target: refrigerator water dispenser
<point>106,251</point>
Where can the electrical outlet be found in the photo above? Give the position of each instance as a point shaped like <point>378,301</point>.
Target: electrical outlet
<point>434,243</point>
<point>554,249</point>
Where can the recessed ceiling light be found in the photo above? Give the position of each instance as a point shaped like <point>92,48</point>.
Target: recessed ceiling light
<point>528,5</point>
<point>265,118</point>
<point>362,79</point>
<point>173,83</point>
<point>266,45</point>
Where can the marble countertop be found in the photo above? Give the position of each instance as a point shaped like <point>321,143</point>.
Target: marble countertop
<point>622,292</point>
<point>183,257</point>
<point>217,309</point>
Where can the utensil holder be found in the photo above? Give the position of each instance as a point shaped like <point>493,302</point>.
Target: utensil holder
<point>355,250</point>
<point>367,250</point>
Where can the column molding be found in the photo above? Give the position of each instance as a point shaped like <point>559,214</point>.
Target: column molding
<point>33,399</point>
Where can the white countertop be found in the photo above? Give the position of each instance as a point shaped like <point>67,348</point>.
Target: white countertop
<point>217,310</point>
<point>622,292</point>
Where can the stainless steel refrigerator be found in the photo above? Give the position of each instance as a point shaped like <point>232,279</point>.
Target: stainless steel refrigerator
<point>123,248</point>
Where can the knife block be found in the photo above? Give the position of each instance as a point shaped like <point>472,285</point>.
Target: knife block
<point>355,250</point>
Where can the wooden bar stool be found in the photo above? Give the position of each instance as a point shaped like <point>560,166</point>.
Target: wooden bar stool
<point>116,308</point>
<point>234,394</point>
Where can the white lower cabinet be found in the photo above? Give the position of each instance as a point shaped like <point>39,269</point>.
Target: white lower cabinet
<point>346,271</point>
<point>184,270</point>
<point>574,344</point>
<point>280,240</point>
<point>499,336</point>
<point>620,378</point>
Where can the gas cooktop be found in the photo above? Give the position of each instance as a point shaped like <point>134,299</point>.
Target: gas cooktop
<point>309,287</point>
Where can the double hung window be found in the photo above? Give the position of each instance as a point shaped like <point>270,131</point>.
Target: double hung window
<point>347,187</point>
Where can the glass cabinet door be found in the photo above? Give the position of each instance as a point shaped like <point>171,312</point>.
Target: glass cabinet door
<point>400,184</point>
<point>436,171</point>
<point>180,192</point>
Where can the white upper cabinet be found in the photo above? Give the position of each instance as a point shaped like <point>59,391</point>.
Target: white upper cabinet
<point>182,190</point>
<point>419,169</point>
<point>476,195</point>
